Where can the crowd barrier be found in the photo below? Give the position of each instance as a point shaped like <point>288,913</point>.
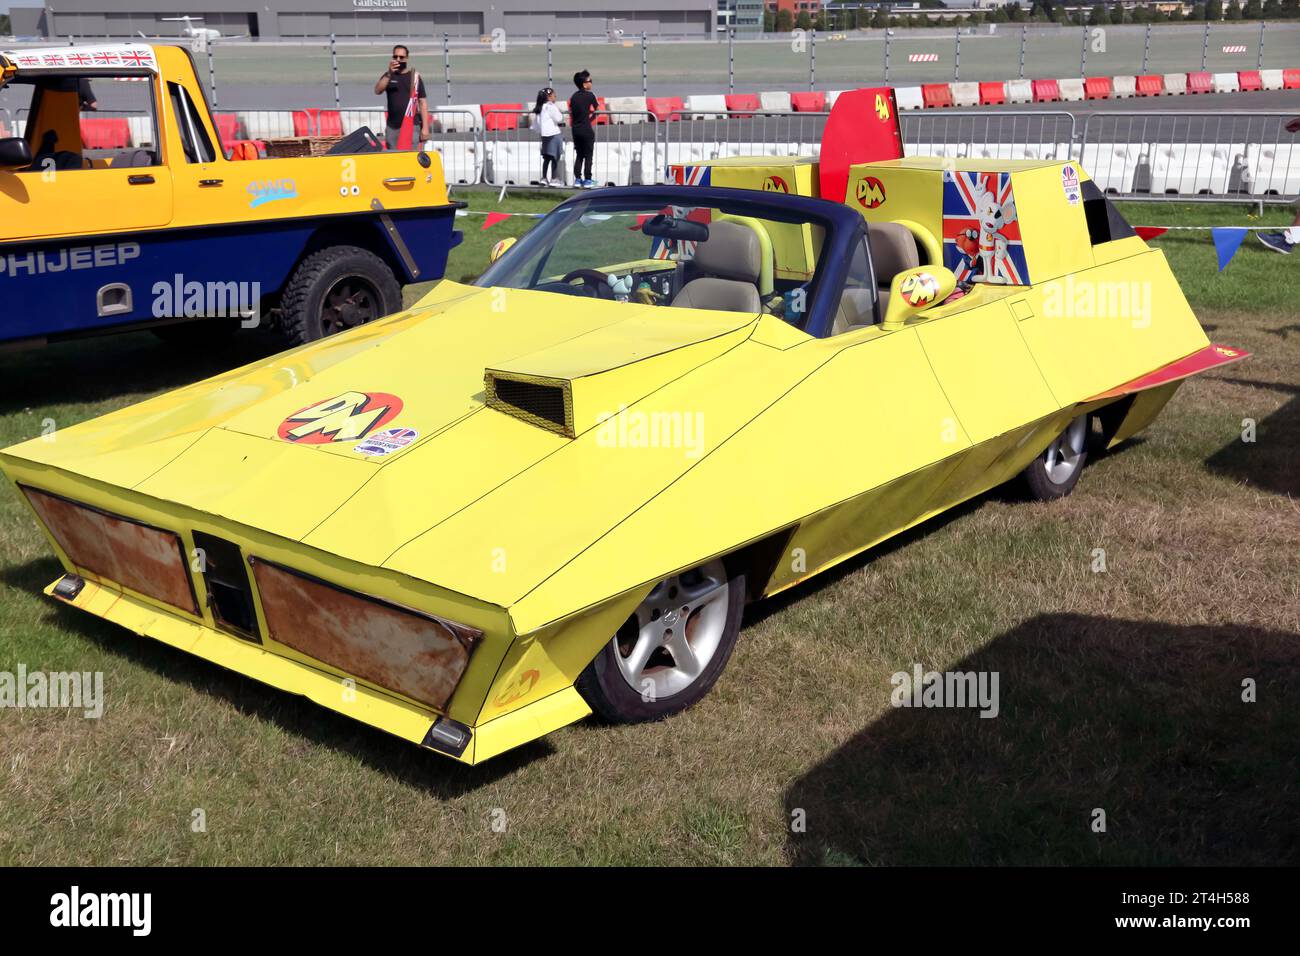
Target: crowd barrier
<point>1192,155</point>
<point>1135,155</point>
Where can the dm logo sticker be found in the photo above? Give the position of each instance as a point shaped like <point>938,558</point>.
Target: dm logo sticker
<point>775,184</point>
<point>871,192</point>
<point>919,289</point>
<point>347,417</point>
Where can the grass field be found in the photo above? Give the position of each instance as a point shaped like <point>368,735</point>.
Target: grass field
<point>1120,691</point>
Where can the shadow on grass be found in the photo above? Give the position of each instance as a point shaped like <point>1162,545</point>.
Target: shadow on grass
<point>1141,719</point>
<point>1272,461</point>
<point>93,370</point>
<point>298,716</point>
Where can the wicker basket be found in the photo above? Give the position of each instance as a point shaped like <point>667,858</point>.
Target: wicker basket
<point>291,146</point>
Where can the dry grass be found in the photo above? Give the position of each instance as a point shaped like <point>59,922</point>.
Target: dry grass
<point>1119,691</point>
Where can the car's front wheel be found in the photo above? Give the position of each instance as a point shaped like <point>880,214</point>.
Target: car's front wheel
<point>671,650</point>
<point>1055,472</point>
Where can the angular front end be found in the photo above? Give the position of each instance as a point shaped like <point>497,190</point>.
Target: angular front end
<point>401,655</point>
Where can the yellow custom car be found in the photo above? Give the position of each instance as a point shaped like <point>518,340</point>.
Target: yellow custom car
<point>552,492</point>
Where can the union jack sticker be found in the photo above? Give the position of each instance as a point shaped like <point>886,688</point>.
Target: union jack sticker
<point>690,175</point>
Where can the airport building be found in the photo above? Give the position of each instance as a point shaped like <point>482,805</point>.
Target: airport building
<point>399,19</point>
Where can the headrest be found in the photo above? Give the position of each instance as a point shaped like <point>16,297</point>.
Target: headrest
<point>893,250</point>
<point>730,252</point>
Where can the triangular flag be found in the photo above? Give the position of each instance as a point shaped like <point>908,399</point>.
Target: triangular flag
<point>1147,233</point>
<point>493,218</point>
<point>1227,240</point>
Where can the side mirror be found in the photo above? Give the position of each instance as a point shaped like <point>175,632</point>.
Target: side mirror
<point>915,290</point>
<point>15,153</point>
<point>500,248</point>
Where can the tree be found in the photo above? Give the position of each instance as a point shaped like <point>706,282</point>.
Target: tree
<point>881,20</point>
<point>1099,16</point>
<point>1214,10</point>
<point>769,21</point>
<point>803,21</point>
<point>1253,10</point>
<point>1234,10</point>
<point>784,21</point>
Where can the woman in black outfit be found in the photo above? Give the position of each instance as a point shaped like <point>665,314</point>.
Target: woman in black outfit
<point>581,107</point>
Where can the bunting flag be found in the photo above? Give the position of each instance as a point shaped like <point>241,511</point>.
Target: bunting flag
<point>1227,240</point>
<point>1147,233</point>
<point>493,218</point>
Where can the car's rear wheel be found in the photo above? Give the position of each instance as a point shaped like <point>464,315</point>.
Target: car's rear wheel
<point>334,290</point>
<point>1055,472</point>
<point>671,650</point>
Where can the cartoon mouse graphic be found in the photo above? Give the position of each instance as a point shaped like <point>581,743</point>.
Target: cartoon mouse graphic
<point>992,248</point>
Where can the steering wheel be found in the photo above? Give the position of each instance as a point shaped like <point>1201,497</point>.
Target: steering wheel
<point>594,280</point>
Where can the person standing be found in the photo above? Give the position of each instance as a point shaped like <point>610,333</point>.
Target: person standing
<point>549,121</point>
<point>408,111</point>
<point>582,108</point>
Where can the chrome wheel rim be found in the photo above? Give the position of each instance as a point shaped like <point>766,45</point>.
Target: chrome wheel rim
<point>1063,456</point>
<point>678,630</point>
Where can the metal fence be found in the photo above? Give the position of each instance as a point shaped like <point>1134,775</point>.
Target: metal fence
<point>510,68</point>
<point>1192,155</point>
<point>990,134</point>
<point>628,151</point>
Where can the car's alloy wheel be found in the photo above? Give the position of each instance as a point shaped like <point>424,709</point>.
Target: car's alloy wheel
<point>1055,472</point>
<point>671,650</point>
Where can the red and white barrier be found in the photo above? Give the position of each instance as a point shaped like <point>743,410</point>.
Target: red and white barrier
<point>923,58</point>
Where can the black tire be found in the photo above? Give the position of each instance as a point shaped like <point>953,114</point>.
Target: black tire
<point>197,333</point>
<point>1045,479</point>
<point>614,699</point>
<point>336,289</point>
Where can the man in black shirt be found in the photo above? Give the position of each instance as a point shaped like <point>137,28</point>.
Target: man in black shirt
<point>581,107</point>
<point>396,82</point>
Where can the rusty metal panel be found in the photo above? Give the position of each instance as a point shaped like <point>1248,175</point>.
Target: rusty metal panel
<point>120,550</point>
<point>415,654</point>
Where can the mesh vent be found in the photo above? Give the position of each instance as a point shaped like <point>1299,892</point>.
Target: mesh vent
<point>540,401</point>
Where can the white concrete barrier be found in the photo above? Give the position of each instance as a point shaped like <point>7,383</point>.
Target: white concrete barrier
<point>626,109</point>
<point>355,119</point>
<point>1020,91</point>
<point>453,118</point>
<point>1124,87</point>
<point>267,124</point>
<point>707,106</point>
<point>1071,90</point>
<point>909,98</point>
<point>1175,83</point>
<point>141,130</point>
<point>1271,79</point>
<point>965,94</point>
<point>775,102</point>
<point>1224,83</point>
<point>834,95</point>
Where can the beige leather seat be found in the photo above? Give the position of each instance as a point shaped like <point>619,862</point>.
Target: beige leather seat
<point>727,265</point>
<point>893,250</point>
